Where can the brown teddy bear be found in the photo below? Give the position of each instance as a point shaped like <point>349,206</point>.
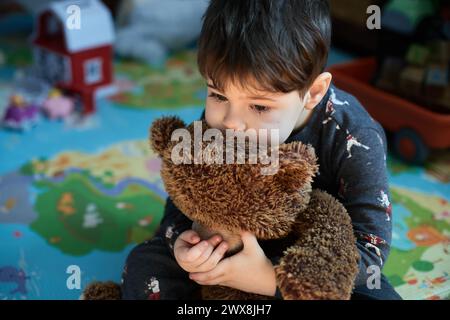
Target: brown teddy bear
<point>319,259</point>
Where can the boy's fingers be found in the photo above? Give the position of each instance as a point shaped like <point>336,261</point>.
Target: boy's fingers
<point>215,257</point>
<point>215,240</point>
<point>212,243</point>
<point>204,256</point>
<point>196,251</point>
<point>190,236</point>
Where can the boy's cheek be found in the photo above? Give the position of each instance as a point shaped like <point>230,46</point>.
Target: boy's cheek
<point>284,133</point>
<point>213,117</point>
<point>278,130</point>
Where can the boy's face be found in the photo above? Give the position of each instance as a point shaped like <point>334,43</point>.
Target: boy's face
<point>241,110</point>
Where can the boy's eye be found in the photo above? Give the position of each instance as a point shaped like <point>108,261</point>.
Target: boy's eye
<point>217,97</point>
<point>259,108</point>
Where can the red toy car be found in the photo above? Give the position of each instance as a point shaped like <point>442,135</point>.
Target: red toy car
<point>415,129</point>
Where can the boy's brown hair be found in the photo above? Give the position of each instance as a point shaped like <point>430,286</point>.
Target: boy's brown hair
<point>281,44</point>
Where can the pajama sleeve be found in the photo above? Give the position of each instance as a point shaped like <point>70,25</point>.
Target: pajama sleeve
<point>362,186</point>
<point>173,223</point>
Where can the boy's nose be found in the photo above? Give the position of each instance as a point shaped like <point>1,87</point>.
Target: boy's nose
<point>233,121</point>
<point>234,124</point>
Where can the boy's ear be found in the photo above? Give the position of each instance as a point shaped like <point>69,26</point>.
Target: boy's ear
<point>161,132</point>
<point>297,166</point>
<point>318,90</point>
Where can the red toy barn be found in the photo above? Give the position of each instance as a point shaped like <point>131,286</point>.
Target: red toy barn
<point>77,57</point>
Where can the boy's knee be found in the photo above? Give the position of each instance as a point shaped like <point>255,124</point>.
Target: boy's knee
<point>141,265</point>
<point>149,254</point>
<point>151,272</point>
<point>385,292</point>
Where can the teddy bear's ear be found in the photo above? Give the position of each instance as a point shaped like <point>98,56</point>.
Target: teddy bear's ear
<point>297,166</point>
<point>161,132</point>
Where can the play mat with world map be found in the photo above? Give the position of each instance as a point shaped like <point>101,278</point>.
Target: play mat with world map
<point>83,194</point>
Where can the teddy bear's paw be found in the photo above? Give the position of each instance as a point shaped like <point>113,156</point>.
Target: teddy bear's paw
<point>303,274</point>
<point>226,293</point>
<point>102,291</point>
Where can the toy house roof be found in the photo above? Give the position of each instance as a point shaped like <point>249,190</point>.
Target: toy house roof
<point>95,28</point>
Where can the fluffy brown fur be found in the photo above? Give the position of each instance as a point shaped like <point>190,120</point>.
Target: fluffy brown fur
<point>102,291</point>
<point>228,198</point>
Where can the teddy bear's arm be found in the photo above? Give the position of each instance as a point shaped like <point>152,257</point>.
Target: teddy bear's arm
<point>323,263</point>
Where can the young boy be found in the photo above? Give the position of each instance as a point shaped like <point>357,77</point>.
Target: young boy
<point>264,62</point>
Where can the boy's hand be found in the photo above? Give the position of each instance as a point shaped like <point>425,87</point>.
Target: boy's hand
<point>194,255</point>
<point>249,270</point>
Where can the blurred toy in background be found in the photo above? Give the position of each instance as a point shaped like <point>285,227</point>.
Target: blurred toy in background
<point>403,16</point>
<point>150,29</point>
<point>77,60</point>
<point>20,115</point>
<point>25,101</point>
<point>422,76</point>
<point>416,60</point>
<point>58,106</point>
<point>31,86</point>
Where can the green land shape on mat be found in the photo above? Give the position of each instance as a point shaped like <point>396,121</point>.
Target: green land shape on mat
<point>399,263</point>
<point>119,227</point>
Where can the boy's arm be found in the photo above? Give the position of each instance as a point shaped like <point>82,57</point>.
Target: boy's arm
<point>362,187</point>
<point>173,223</point>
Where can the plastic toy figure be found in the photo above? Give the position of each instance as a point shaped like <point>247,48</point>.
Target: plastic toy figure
<point>57,106</point>
<point>20,115</point>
